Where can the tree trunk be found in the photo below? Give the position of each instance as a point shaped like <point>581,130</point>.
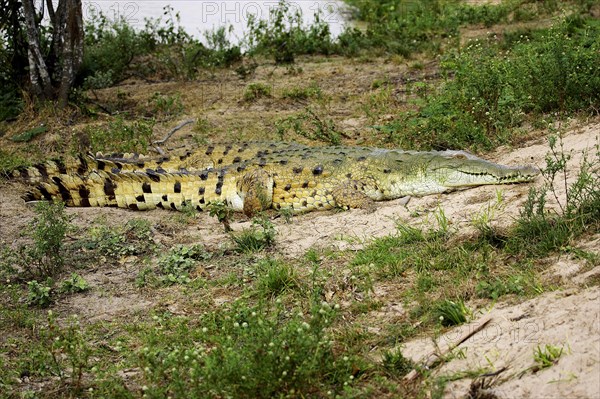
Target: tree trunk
<point>41,84</point>
<point>71,56</point>
<point>52,77</point>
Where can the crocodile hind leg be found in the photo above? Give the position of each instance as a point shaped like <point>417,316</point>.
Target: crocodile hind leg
<point>350,194</point>
<point>256,190</point>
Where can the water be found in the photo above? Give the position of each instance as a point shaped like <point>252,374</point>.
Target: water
<point>199,16</point>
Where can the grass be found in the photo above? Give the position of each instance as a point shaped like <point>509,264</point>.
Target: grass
<point>547,356</point>
<point>120,135</point>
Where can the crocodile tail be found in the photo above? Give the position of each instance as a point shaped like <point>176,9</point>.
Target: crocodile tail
<point>45,171</point>
<point>131,190</point>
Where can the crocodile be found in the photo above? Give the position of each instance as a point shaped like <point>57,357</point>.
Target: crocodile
<point>210,156</point>
<point>298,178</point>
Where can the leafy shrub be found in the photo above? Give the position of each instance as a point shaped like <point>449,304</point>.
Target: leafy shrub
<point>254,91</point>
<point>11,103</point>
<point>39,294</point>
<point>110,48</point>
<point>176,266</point>
<point>120,136</point>
<point>246,352</point>
<point>44,256</point>
<point>489,96</point>
<point>134,238</point>
<point>282,35</point>
<point>75,283</point>
<point>540,230</point>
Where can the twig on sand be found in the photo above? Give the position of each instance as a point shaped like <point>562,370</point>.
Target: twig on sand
<point>434,357</point>
<point>168,136</point>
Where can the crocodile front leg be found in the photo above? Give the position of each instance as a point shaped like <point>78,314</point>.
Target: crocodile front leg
<point>255,188</point>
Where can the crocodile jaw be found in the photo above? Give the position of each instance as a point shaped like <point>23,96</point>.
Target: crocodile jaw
<point>445,179</point>
<point>490,174</point>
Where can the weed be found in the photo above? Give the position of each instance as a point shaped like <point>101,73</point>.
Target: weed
<point>498,287</point>
<point>258,237</point>
<point>275,277</point>
<point>286,213</point>
<point>10,161</point>
<point>548,356</point>
<point>255,91</point>
<point>378,103</point>
<point>134,238</point>
<point>396,364</point>
<point>540,230</point>
<point>75,283</point>
<point>222,212</point>
<point>310,124</point>
<point>175,266</point>
<point>243,351</point>
<point>298,93</point>
<point>70,352</point>
<point>164,107</point>
<point>120,136</point>
<point>39,294</point>
<point>187,213</point>
<point>451,313</point>
<point>45,256</point>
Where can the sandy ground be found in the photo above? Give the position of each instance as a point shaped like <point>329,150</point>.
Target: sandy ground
<point>567,318</point>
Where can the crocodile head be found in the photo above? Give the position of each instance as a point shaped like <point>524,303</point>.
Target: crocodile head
<point>423,173</point>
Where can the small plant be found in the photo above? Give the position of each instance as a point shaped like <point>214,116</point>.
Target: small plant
<point>39,294</point>
<point>302,93</point>
<point>222,212</point>
<point>451,313</point>
<point>133,238</point>
<point>119,135</point>
<point>255,91</point>
<point>311,125</point>
<point>275,278</point>
<point>187,213</point>
<point>286,214</point>
<point>260,236</point>
<point>498,287</point>
<point>164,107</point>
<point>45,256</point>
<point>75,283</point>
<point>540,230</point>
<point>69,350</point>
<point>175,266</point>
<point>547,356</point>
<point>396,364</point>
<point>260,351</point>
